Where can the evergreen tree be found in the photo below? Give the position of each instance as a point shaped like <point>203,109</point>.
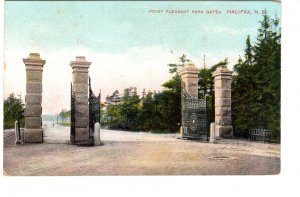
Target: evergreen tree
<point>129,108</point>
<point>171,96</point>
<point>256,87</point>
<point>146,115</point>
<point>248,50</point>
<point>112,113</point>
<point>174,68</point>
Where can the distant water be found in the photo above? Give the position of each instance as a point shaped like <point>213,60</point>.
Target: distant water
<point>49,118</point>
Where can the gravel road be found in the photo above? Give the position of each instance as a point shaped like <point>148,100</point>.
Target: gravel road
<point>137,153</point>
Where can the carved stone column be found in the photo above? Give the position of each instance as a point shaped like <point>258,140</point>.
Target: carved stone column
<point>33,99</point>
<point>81,90</point>
<point>223,79</point>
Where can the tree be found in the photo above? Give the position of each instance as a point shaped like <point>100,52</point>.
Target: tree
<point>206,88</point>
<point>114,99</point>
<point>147,112</point>
<point>171,106</point>
<point>206,80</point>
<point>171,96</point>
<point>156,112</point>
<point>174,68</point>
<point>64,117</point>
<point>248,50</point>
<point>103,115</point>
<point>13,110</point>
<point>112,113</point>
<point>129,108</point>
<point>256,85</point>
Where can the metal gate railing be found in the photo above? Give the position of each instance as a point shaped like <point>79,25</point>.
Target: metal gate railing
<point>94,112</point>
<point>194,116</point>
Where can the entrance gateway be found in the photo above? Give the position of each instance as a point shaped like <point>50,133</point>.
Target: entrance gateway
<point>85,106</point>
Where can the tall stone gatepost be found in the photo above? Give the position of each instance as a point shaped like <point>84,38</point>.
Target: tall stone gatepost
<point>189,76</point>
<point>223,79</point>
<point>80,80</point>
<point>33,99</point>
<point>189,83</point>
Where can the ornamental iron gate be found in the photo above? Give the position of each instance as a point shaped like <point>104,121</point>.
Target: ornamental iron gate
<point>94,112</point>
<point>194,117</point>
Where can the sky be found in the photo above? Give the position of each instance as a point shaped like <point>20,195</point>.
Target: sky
<point>127,42</point>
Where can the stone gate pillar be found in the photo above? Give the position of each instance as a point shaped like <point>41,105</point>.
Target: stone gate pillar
<point>189,76</point>
<point>80,80</point>
<point>189,80</point>
<point>33,99</point>
<point>223,79</point>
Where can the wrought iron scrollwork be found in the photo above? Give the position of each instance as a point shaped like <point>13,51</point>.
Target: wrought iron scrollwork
<point>194,116</point>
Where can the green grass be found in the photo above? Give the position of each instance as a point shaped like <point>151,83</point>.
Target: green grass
<point>65,124</point>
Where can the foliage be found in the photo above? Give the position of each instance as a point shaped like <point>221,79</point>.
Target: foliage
<point>13,110</point>
<point>65,113</point>
<point>66,124</point>
<point>129,108</point>
<point>170,99</point>
<point>158,112</point>
<point>175,68</point>
<point>256,85</point>
<point>255,92</point>
<point>64,117</point>
<point>147,112</point>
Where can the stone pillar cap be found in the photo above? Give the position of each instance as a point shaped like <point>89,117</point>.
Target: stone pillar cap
<point>80,61</point>
<point>222,70</point>
<point>80,58</point>
<point>189,67</point>
<point>34,56</point>
<point>34,59</point>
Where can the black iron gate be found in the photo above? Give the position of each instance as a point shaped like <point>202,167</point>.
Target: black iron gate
<point>72,135</point>
<point>94,112</point>
<point>194,117</point>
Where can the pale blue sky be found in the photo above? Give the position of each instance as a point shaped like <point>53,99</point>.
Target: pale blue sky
<point>117,26</point>
<point>127,45</point>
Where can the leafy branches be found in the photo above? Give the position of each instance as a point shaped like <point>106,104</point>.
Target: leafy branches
<point>13,110</point>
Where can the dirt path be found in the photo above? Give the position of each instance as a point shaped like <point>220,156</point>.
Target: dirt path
<point>129,153</point>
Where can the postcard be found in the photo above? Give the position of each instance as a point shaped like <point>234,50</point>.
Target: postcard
<point>97,88</point>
